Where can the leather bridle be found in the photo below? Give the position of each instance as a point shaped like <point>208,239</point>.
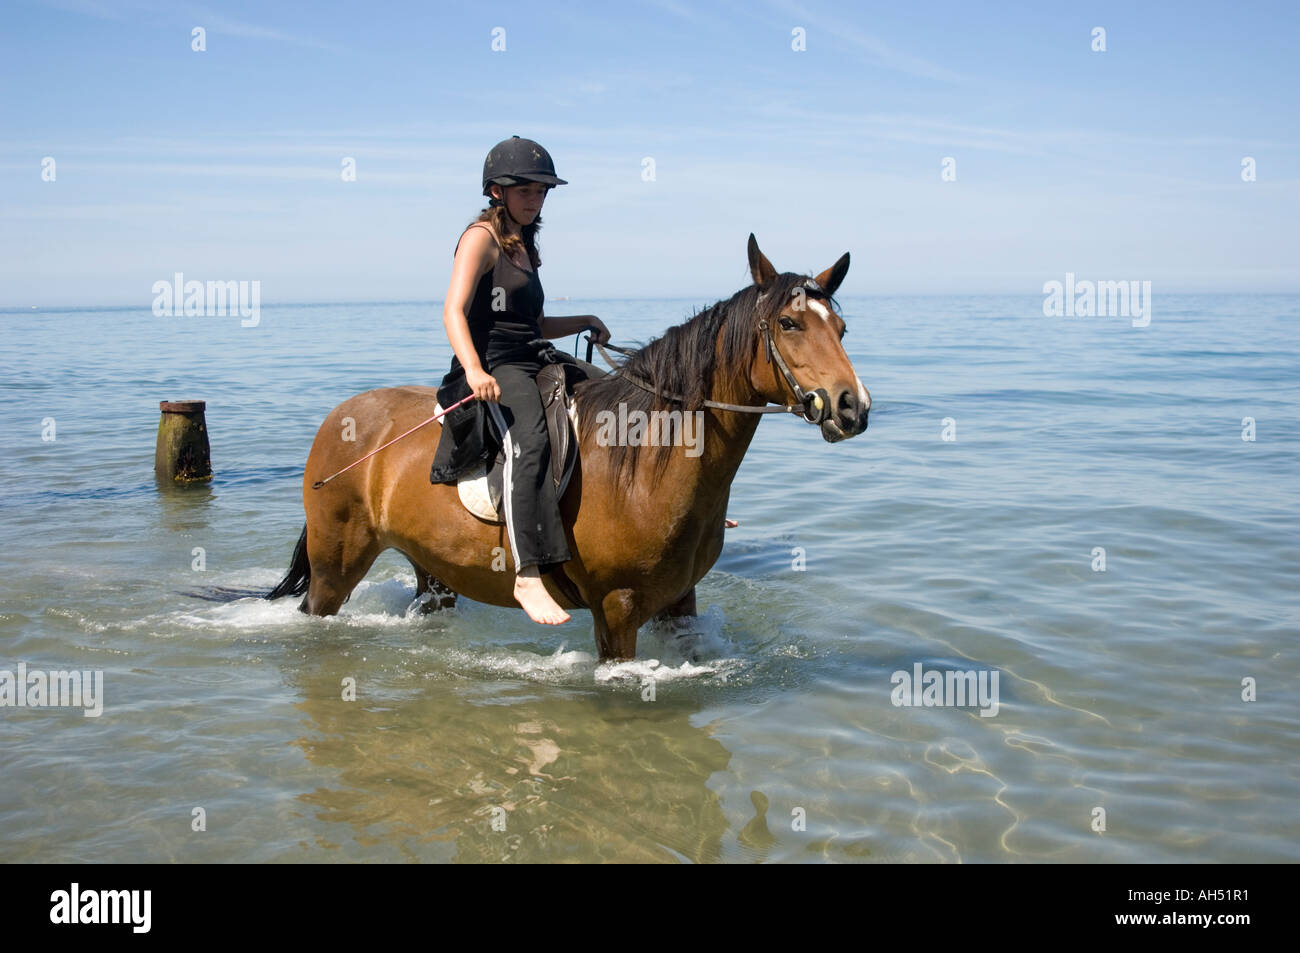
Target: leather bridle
<point>813,406</point>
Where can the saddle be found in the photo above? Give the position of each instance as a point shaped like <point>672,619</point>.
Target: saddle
<point>481,488</point>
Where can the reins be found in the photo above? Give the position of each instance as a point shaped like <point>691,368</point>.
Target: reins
<point>720,405</point>
<point>812,406</point>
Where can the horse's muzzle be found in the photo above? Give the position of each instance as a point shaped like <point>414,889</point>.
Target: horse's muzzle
<point>849,417</point>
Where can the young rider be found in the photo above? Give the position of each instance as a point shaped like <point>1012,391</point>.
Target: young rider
<point>494,321</point>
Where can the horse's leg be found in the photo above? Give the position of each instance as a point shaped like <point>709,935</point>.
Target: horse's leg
<point>600,628</point>
<point>622,615</point>
<point>421,579</point>
<point>443,598</point>
<point>685,606</point>
<point>339,560</point>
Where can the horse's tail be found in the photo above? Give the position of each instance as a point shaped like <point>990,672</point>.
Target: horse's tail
<point>298,578</point>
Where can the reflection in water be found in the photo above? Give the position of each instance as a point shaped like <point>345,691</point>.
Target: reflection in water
<point>755,834</point>
<point>183,508</point>
<point>465,770</point>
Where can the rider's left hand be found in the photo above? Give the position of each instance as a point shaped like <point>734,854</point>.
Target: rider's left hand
<point>599,331</point>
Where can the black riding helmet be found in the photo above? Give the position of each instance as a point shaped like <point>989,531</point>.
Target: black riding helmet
<point>514,161</point>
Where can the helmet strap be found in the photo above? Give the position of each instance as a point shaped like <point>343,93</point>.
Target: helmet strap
<point>493,203</point>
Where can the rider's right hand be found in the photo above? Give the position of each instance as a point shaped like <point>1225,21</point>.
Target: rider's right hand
<point>483,384</point>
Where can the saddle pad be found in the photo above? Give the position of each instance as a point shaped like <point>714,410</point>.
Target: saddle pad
<point>480,490</point>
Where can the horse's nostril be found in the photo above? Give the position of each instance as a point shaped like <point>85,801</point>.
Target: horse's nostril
<point>848,406</point>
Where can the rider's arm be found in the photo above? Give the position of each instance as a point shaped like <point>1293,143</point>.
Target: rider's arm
<point>473,258</point>
<point>559,327</point>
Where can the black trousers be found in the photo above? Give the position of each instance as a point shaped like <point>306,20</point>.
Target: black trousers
<point>532,508</point>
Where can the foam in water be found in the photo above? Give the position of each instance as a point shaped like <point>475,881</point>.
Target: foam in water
<point>559,666</point>
<point>672,650</point>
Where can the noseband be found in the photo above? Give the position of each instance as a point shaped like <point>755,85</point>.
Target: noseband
<point>813,406</point>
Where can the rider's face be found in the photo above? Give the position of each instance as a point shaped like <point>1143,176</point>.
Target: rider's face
<point>525,201</point>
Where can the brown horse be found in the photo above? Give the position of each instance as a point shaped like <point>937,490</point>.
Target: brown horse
<point>644,522</point>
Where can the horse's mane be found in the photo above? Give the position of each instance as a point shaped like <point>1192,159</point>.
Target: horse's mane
<point>685,360</point>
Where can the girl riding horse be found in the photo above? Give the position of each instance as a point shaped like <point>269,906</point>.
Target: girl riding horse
<point>494,321</point>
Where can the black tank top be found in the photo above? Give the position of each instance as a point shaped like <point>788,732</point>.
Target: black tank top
<point>514,324</point>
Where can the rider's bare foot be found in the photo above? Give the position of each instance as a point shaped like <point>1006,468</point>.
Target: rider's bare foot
<point>537,602</point>
<point>730,524</point>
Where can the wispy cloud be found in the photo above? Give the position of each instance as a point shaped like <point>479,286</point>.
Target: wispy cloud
<point>92,8</point>
<point>192,14</point>
<point>216,23</point>
<point>877,51</point>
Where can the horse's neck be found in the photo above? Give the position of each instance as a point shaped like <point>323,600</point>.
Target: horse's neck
<point>725,439</point>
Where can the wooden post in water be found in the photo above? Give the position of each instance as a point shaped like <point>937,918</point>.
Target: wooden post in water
<point>182,454</point>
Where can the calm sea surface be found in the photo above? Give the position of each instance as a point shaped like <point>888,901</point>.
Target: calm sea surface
<point>772,735</point>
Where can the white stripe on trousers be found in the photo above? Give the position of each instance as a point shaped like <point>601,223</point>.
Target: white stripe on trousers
<point>507,483</point>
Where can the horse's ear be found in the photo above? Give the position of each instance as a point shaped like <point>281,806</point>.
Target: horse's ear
<point>759,266</point>
<point>830,278</point>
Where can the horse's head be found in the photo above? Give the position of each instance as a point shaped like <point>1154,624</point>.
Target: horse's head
<point>798,356</point>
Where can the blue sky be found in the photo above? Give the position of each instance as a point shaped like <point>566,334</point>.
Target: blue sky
<point>224,164</point>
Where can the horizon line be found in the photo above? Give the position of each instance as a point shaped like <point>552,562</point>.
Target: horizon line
<point>25,309</point>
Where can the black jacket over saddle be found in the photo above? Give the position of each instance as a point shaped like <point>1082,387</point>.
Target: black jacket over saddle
<point>468,435</point>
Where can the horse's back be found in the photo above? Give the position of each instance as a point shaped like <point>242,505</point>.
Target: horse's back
<point>366,420</point>
<point>394,397</point>
<point>384,404</point>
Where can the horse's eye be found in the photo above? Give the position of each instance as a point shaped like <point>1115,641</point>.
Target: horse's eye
<point>787,324</point>
<point>844,332</point>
